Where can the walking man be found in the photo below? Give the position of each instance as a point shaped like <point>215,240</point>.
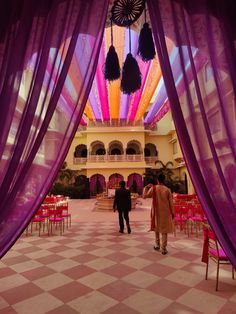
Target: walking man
<point>122,202</point>
<point>162,212</point>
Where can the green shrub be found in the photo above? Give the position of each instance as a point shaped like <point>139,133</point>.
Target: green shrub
<point>58,189</point>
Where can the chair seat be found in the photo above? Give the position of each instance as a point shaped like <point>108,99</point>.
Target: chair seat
<point>196,218</point>
<point>45,216</point>
<point>37,219</point>
<point>221,255</point>
<point>181,219</point>
<point>66,215</point>
<point>56,219</point>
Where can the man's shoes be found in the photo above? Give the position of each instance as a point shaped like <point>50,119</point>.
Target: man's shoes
<point>129,230</point>
<point>164,251</point>
<point>121,231</point>
<point>156,248</point>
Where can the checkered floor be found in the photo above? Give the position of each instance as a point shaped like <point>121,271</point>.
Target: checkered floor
<point>93,269</point>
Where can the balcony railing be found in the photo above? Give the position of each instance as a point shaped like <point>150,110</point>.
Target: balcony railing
<point>97,158</point>
<point>110,158</point>
<point>151,159</point>
<point>116,158</point>
<point>134,158</point>
<point>80,160</point>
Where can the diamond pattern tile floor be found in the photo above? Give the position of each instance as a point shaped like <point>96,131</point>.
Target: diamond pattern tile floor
<point>93,269</point>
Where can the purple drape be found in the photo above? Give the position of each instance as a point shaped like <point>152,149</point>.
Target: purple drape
<point>114,180</point>
<point>205,115</point>
<point>38,40</point>
<point>135,181</point>
<point>97,184</point>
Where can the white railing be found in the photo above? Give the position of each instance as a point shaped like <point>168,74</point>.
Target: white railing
<point>116,158</point>
<point>96,158</point>
<point>151,159</point>
<point>134,157</point>
<point>112,158</point>
<point>80,160</point>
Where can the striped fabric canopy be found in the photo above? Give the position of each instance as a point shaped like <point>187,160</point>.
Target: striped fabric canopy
<point>106,104</point>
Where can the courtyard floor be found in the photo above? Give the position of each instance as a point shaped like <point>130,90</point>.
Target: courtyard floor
<point>94,269</point>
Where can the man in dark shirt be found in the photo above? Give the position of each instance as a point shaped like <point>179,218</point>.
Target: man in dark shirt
<point>122,202</point>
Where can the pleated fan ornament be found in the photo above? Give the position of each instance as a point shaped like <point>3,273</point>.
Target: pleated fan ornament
<point>146,48</point>
<point>112,66</point>
<point>126,12</point>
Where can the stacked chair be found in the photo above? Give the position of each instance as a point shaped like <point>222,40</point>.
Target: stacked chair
<point>189,214</point>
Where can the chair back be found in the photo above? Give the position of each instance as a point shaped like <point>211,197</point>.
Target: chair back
<point>50,200</point>
<point>181,211</point>
<point>39,213</point>
<point>215,251</point>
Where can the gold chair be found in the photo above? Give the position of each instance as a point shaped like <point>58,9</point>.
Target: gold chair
<point>215,253</point>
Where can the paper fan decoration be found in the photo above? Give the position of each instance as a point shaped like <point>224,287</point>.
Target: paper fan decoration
<point>126,12</point>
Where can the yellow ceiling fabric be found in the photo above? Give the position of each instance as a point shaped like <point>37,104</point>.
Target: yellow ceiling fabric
<point>88,111</point>
<point>151,84</point>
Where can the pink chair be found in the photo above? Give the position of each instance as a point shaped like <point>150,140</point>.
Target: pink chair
<point>181,219</point>
<point>45,211</point>
<point>60,198</point>
<point>198,217</point>
<point>55,219</point>
<point>65,213</point>
<point>213,251</point>
<point>37,220</point>
<point>50,200</point>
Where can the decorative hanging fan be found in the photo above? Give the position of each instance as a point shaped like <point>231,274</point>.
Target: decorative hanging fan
<point>126,12</point>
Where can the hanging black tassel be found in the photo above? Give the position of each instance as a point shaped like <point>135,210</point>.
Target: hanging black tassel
<point>112,66</point>
<point>146,48</point>
<point>131,75</point>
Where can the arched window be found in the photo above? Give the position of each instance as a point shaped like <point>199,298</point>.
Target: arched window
<point>84,152</point>
<point>100,151</point>
<point>115,151</point>
<point>131,151</point>
<point>115,148</point>
<point>133,148</point>
<point>97,148</point>
<point>147,152</point>
<point>150,150</point>
<point>81,151</point>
